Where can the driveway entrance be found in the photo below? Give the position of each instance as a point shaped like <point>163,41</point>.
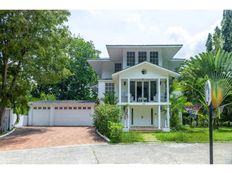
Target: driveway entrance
<point>37,137</point>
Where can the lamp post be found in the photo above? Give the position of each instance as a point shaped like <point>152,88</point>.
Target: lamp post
<point>208,99</point>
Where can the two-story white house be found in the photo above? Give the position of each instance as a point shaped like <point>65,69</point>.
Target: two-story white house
<point>140,76</point>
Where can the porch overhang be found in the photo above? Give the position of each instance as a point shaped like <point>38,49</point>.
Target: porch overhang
<point>145,65</point>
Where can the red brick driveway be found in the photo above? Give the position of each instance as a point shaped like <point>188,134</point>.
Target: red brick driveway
<point>37,137</point>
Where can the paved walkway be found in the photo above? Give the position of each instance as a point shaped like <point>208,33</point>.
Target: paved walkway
<point>154,153</point>
<point>37,137</point>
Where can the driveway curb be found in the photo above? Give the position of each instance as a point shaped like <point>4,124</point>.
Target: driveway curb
<point>8,133</point>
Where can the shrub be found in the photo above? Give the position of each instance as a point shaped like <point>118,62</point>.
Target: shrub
<point>110,98</point>
<point>175,122</point>
<point>115,132</point>
<point>104,114</point>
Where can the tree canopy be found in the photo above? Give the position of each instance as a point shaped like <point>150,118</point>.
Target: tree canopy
<point>33,46</point>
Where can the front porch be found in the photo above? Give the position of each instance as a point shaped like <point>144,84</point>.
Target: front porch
<point>146,118</point>
<point>154,90</point>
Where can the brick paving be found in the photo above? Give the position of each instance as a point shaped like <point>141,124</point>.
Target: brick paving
<point>38,137</point>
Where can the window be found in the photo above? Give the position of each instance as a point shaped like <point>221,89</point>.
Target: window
<point>117,67</point>
<point>89,107</point>
<point>130,58</point>
<point>154,57</point>
<point>49,108</point>
<point>109,87</point>
<point>39,107</point>
<point>79,108</point>
<point>35,108</point>
<point>74,107</point>
<point>142,56</point>
<point>84,107</point>
<point>44,107</point>
<point>60,107</point>
<point>56,107</point>
<point>70,108</point>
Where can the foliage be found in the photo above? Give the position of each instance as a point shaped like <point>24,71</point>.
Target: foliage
<point>33,51</point>
<point>78,85</point>
<point>104,114</point>
<point>131,137</point>
<point>115,132</point>
<point>216,68</point>
<point>209,43</point>
<point>227,30</point>
<point>195,135</point>
<point>110,98</point>
<point>178,102</point>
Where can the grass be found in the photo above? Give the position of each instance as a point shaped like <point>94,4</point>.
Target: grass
<point>132,137</point>
<point>188,135</point>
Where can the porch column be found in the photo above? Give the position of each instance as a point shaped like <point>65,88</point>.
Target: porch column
<point>167,89</point>
<point>159,117</point>
<point>142,90</point>
<point>149,91</point>
<point>168,116</point>
<point>159,90</point>
<point>120,90</point>
<point>128,90</point>
<point>128,117</point>
<point>136,91</point>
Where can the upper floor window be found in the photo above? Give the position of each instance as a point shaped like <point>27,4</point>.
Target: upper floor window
<point>117,67</point>
<point>130,58</point>
<point>154,57</point>
<point>109,87</point>
<point>142,56</point>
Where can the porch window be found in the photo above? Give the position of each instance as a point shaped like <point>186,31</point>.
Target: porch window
<point>132,91</point>
<point>154,57</point>
<point>154,95</point>
<point>109,87</point>
<point>117,67</point>
<point>142,56</point>
<point>130,58</point>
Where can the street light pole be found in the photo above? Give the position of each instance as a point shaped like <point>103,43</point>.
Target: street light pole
<point>211,133</point>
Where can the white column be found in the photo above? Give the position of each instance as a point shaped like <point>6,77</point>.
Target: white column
<point>168,117</point>
<point>120,90</point>
<point>159,90</point>
<point>149,90</point>
<point>142,90</point>
<point>128,117</point>
<point>159,117</point>
<point>167,89</point>
<point>128,90</point>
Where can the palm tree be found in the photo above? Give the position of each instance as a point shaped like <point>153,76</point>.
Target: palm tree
<point>208,66</point>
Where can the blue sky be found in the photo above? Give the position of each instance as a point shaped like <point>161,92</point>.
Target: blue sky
<point>187,27</point>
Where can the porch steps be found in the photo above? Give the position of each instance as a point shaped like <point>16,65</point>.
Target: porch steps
<point>145,129</point>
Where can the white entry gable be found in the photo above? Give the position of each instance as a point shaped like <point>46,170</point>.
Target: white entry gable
<point>144,70</point>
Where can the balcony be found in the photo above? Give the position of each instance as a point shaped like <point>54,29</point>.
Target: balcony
<point>144,91</point>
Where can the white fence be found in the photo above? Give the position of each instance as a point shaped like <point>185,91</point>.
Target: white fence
<point>10,118</point>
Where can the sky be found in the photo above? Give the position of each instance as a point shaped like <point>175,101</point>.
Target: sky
<point>187,27</point>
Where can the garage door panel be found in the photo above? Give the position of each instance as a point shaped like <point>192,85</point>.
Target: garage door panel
<point>41,118</point>
<point>72,118</point>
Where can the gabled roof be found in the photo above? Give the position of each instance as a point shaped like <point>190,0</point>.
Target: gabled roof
<point>171,73</point>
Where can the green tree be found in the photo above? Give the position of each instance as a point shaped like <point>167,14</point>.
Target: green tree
<point>215,67</point>
<point>78,85</point>
<point>209,43</point>
<point>227,30</point>
<point>217,39</point>
<point>33,51</point>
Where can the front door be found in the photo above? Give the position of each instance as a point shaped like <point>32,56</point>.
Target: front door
<point>142,116</point>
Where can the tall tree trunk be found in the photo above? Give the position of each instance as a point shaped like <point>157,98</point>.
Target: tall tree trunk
<point>2,112</point>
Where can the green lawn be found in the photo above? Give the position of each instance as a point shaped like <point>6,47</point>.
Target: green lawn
<point>189,135</point>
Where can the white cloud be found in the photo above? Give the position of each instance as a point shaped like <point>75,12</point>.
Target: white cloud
<point>192,43</point>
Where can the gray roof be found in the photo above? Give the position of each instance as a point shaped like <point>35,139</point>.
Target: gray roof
<point>62,101</point>
<point>148,45</point>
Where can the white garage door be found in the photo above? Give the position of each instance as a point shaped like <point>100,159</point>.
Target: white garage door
<point>41,116</point>
<point>73,116</point>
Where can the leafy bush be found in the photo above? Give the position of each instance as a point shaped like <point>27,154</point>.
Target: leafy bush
<point>175,122</point>
<point>104,114</point>
<point>110,98</point>
<point>115,132</point>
